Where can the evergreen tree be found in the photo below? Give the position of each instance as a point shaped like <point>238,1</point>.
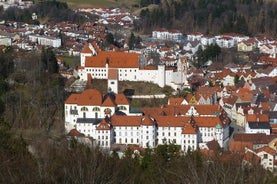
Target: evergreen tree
<point>49,61</point>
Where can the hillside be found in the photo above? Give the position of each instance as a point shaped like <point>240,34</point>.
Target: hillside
<point>249,17</point>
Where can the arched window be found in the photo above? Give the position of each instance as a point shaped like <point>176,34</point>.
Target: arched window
<point>107,111</point>
<point>96,109</point>
<point>84,109</point>
<point>122,108</point>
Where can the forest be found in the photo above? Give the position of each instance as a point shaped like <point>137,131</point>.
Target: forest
<point>250,17</point>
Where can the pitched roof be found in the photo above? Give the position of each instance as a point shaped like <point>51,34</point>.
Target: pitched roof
<point>115,60</point>
<point>254,138</point>
<point>121,99</point>
<point>75,133</point>
<point>86,49</point>
<point>147,121</point>
<point>87,97</point>
<point>257,118</point>
<point>188,129</point>
<point>108,102</point>
<point>266,149</point>
<point>239,146</point>
<point>251,157</point>
<point>126,120</point>
<point>103,125</point>
<point>72,99</point>
<point>175,101</point>
<point>213,145</point>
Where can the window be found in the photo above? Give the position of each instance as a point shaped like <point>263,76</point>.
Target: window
<point>96,109</point>
<point>265,156</point>
<point>112,82</point>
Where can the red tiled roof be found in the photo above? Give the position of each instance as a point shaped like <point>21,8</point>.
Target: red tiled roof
<point>113,74</point>
<point>103,125</point>
<point>115,60</point>
<point>239,146</point>
<point>126,120</point>
<point>175,101</point>
<point>267,150</point>
<point>75,133</point>
<point>108,102</point>
<point>86,49</point>
<point>121,99</point>
<point>87,97</point>
<point>251,158</point>
<point>257,118</point>
<point>188,129</point>
<point>147,121</point>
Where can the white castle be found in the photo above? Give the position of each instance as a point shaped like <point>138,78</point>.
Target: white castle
<point>97,64</point>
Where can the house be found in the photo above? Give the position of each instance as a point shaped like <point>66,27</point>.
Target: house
<point>192,46</point>
<point>195,36</point>
<point>258,140</point>
<point>268,157</point>
<point>46,40</point>
<point>164,34</point>
<point>270,71</point>
<point>268,60</point>
<point>225,42</point>
<point>4,40</point>
<point>207,40</point>
<point>238,113</point>
<point>247,45</point>
<point>257,123</point>
<point>261,82</point>
<point>268,49</point>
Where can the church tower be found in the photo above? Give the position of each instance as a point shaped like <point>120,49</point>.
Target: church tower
<point>182,67</point>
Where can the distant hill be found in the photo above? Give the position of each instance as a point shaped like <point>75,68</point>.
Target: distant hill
<point>249,17</point>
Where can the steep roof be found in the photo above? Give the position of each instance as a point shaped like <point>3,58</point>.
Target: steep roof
<point>254,138</point>
<point>87,97</point>
<point>239,146</point>
<point>121,99</point>
<point>103,125</point>
<point>257,118</point>
<point>266,149</point>
<point>75,133</point>
<point>251,157</point>
<point>213,145</point>
<point>126,120</point>
<point>188,129</point>
<point>115,60</point>
<point>72,99</point>
<point>108,102</point>
<point>86,49</point>
<point>147,121</point>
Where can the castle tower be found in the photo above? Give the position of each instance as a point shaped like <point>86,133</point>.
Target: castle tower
<point>161,75</point>
<point>86,51</point>
<point>113,80</point>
